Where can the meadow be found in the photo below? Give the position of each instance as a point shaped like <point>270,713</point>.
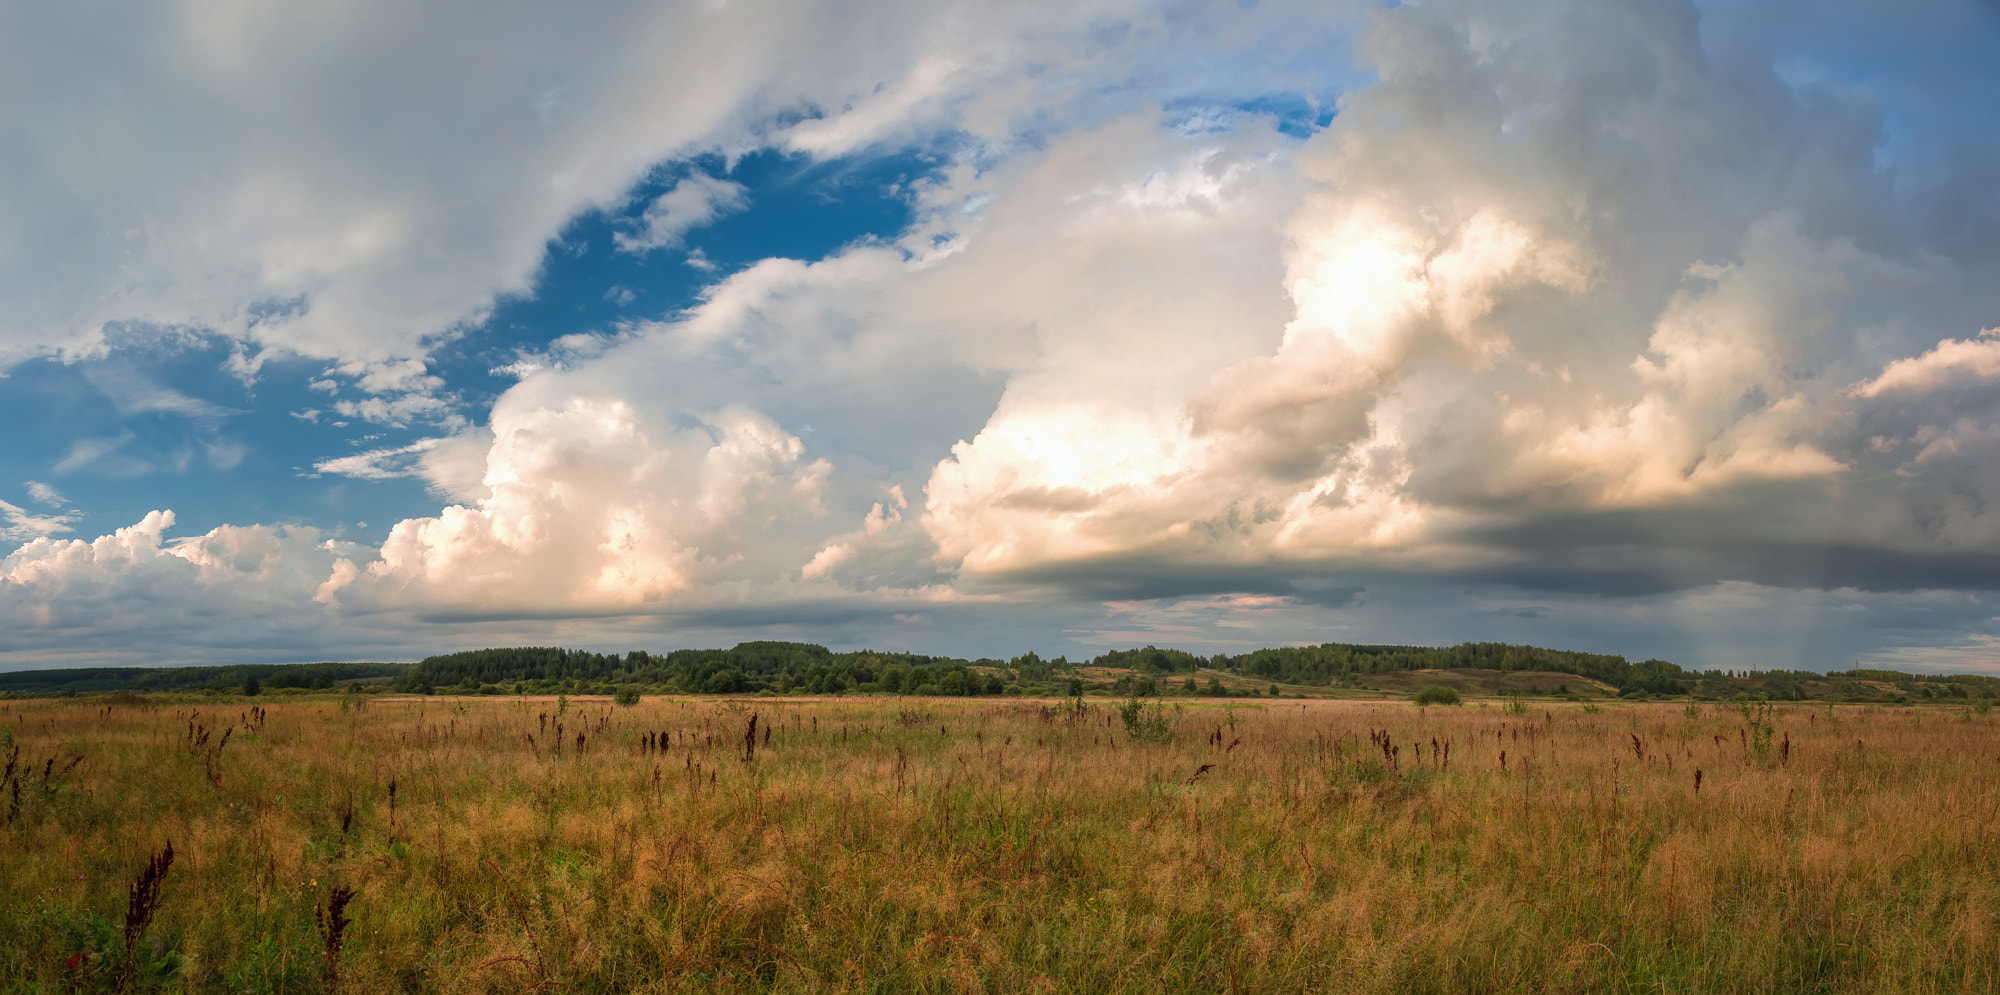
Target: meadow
<point>375,844</point>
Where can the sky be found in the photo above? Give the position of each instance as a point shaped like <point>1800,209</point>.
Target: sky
<point>368,330</point>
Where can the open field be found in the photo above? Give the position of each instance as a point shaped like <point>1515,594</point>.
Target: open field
<point>885,844</point>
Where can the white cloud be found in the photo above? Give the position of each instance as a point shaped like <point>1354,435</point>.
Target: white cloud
<point>399,410</point>
<point>1952,359</point>
<point>44,494</point>
<point>694,202</point>
<point>22,525</point>
<point>88,451</point>
<point>136,596</point>
<point>878,115</point>
<point>593,506</point>
<point>453,466</point>
<point>380,464</point>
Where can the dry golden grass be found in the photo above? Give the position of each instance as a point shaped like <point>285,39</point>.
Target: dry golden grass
<point>889,845</point>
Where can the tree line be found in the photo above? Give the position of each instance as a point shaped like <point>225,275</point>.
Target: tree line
<point>806,668</point>
<point>85,680</point>
<point>781,667</point>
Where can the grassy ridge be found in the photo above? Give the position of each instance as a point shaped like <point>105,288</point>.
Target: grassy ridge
<point>983,845</point>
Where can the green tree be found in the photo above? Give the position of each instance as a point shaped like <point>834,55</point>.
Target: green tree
<point>251,686</point>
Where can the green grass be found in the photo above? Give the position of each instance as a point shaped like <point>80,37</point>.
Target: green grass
<point>1006,846</point>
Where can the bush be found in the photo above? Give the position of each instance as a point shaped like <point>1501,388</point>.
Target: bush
<point>626,695</point>
<point>1437,694</point>
<point>1149,725</point>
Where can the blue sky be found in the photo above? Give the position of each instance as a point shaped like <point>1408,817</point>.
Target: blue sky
<point>351,332</point>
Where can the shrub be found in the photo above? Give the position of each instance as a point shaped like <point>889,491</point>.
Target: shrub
<point>625,695</point>
<point>1149,725</point>
<point>1437,694</point>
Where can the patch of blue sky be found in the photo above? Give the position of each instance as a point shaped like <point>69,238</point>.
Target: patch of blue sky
<point>792,206</point>
<point>1899,58</point>
<point>166,426</point>
<point>1295,115</point>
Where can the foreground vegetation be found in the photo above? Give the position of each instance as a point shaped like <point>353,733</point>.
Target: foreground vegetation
<point>472,845</point>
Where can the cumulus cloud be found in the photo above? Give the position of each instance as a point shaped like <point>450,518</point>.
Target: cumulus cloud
<point>1973,359</point>
<point>184,600</point>
<point>1508,305</point>
<point>593,506</point>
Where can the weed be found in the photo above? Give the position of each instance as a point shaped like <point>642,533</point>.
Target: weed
<point>143,897</point>
<point>1757,722</point>
<point>331,918</point>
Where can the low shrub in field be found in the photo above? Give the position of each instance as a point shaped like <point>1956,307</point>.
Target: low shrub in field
<point>1151,725</point>
<point>626,695</point>
<point>1436,694</point>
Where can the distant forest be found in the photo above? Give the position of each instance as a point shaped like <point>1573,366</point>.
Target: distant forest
<point>805,668</point>
<point>812,669</point>
<point>82,680</point>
